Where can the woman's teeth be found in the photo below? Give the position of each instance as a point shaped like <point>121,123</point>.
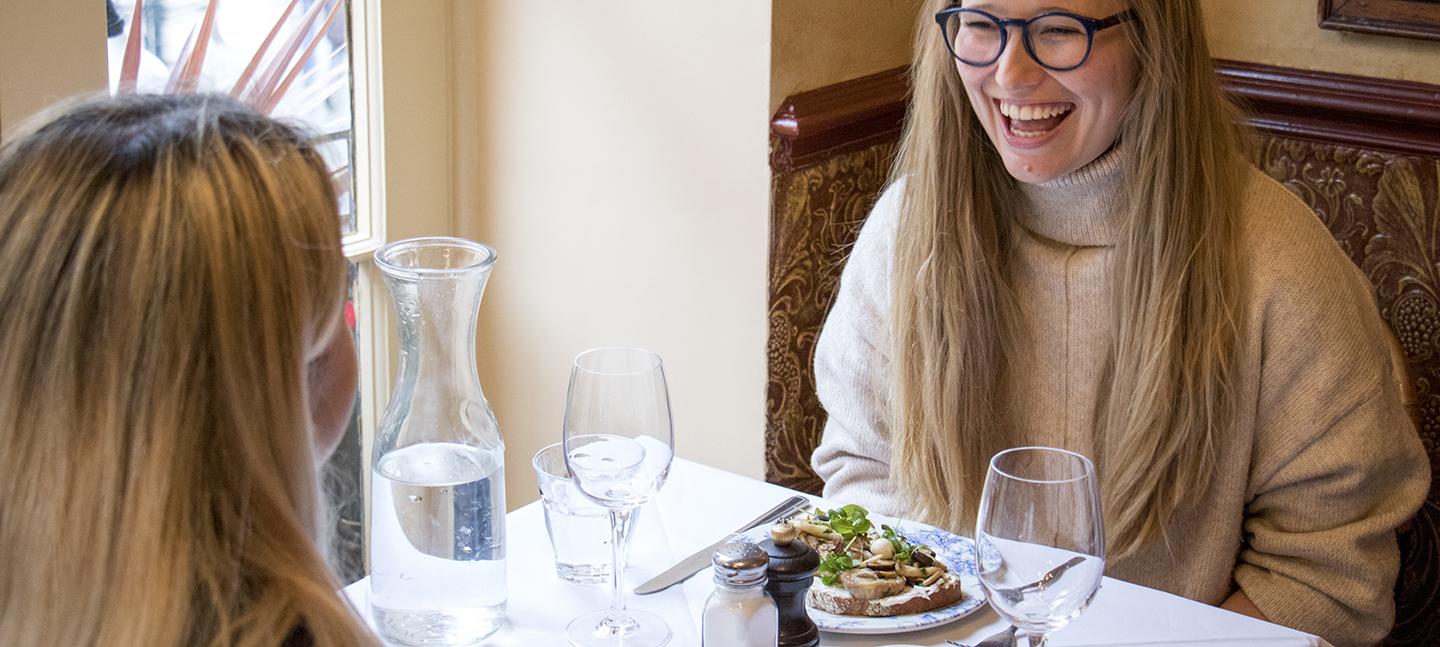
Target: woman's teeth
<point>1034,111</point>
<point>1034,120</point>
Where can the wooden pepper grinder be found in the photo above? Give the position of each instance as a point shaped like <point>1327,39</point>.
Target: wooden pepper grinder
<point>791,572</point>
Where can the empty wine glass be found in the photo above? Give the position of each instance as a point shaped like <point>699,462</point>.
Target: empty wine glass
<point>1040,538</point>
<point>618,443</point>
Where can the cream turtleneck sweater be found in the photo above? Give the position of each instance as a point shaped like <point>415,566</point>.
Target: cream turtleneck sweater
<point>1301,511</point>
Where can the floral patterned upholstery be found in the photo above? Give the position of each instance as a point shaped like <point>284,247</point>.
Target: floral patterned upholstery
<point>818,210</point>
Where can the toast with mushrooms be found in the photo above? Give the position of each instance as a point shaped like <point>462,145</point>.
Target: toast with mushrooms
<point>870,571</point>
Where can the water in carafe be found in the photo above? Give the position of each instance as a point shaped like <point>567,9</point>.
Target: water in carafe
<point>438,568</point>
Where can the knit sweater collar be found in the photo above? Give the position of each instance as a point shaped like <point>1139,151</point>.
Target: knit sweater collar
<point>1083,208</point>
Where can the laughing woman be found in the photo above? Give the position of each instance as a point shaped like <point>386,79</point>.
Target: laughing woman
<point>173,371</point>
<point>1073,253</point>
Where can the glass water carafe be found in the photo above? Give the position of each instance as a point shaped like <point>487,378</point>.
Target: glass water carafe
<point>437,507</point>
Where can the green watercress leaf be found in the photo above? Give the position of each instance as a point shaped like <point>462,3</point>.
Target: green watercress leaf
<point>849,521</point>
<point>831,567</point>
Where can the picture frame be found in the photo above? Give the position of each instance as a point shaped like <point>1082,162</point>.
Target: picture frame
<point>1407,18</point>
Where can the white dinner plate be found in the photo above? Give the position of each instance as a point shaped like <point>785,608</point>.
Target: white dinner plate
<point>952,549</point>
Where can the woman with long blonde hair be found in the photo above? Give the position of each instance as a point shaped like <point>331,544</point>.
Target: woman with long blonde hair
<point>1074,253</point>
<point>175,371</point>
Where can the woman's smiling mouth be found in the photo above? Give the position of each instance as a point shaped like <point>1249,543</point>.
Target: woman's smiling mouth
<point>1029,125</point>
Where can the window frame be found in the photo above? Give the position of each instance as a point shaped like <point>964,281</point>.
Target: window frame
<point>372,315</point>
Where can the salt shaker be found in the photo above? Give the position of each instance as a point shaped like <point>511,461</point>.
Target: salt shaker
<point>791,572</point>
<point>739,613</point>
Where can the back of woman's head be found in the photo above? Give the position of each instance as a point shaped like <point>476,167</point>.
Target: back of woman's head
<point>167,267</point>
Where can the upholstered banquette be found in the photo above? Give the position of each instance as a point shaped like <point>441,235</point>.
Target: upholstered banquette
<point>1363,153</point>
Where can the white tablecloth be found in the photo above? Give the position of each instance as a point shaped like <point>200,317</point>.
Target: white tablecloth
<point>700,504</point>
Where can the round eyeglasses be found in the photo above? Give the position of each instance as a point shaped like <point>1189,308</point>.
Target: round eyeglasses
<point>1057,40</point>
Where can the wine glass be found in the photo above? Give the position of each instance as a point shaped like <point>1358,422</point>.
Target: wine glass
<point>618,442</point>
<point>1040,538</point>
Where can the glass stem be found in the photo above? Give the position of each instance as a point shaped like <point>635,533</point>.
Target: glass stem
<point>1036,639</point>
<point>619,539</point>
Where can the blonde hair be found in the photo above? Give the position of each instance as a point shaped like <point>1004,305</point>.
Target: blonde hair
<point>166,266</point>
<point>1174,347</point>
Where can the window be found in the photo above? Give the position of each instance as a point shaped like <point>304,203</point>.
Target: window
<point>288,58</point>
<point>292,59</point>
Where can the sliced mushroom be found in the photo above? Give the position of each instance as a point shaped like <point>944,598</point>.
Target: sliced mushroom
<point>934,577</point>
<point>879,563</point>
<point>867,584</point>
<point>917,574</point>
<point>817,530</point>
<point>910,570</point>
<point>924,556</point>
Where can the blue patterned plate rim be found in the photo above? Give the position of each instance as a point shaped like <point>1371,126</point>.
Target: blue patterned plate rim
<point>951,548</point>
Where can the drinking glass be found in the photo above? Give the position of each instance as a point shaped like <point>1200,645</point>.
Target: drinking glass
<point>618,442</point>
<point>1040,538</point>
<point>579,530</point>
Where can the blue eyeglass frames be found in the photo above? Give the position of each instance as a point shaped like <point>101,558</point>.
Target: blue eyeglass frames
<point>1057,40</point>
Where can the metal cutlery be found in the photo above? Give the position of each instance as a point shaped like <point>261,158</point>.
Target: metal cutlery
<point>1014,595</point>
<point>1005,638</point>
<point>700,559</point>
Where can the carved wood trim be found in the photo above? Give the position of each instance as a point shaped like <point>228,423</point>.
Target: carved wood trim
<point>1389,17</point>
<point>1377,114</point>
<point>812,126</point>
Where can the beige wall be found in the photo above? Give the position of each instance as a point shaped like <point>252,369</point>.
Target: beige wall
<point>617,160</point>
<point>44,57</point>
<point>417,100</point>
<point>815,43</point>
<point>1284,32</point>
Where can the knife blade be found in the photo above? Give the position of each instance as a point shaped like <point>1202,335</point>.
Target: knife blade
<point>700,559</point>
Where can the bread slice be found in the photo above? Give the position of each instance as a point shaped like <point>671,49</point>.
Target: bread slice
<point>919,599</point>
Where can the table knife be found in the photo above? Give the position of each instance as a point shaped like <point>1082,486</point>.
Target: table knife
<point>701,558</point>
